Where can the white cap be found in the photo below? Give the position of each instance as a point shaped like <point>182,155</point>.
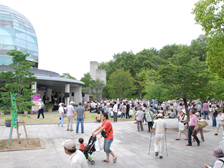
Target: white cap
<point>184,111</point>
<point>40,99</point>
<point>71,102</point>
<point>69,144</point>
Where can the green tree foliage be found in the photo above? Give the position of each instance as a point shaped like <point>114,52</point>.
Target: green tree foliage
<point>96,87</point>
<point>67,75</point>
<point>87,80</point>
<point>121,84</point>
<point>185,76</point>
<point>18,82</point>
<point>199,47</point>
<point>210,15</point>
<point>168,51</point>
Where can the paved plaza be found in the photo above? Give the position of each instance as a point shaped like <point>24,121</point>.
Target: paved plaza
<point>130,146</point>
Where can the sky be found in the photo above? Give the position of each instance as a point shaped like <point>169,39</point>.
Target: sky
<point>71,33</point>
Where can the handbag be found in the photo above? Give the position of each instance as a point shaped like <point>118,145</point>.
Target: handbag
<point>194,133</point>
<point>104,134</point>
<point>202,124</point>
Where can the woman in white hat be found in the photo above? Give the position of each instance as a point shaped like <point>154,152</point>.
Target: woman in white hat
<point>218,153</point>
<point>199,129</point>
<point>182,124</point>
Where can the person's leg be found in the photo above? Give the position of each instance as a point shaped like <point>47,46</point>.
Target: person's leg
<point>138,122</point>
<point>179,134</point>
<point>202,136</point>
<point>189,135</point>
<point>42,112</point>
<point>207,115</point>
<point>217,130</point>
<point>59,120</point>
<point>204,115</point>
<point>114,116</point>
<point>156,147</point>
<point>77,124</point>
<point>38,115</point>
<point>82,124</point>
<point>71,123</point>
<point>149,126</point>
<point>185,131</point>
<point>141,125</point>
<point>68,122</point>
<point>223,129</point>
<point>161,145</point>
<point>196,138</point>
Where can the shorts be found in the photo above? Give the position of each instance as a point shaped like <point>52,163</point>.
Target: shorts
<point>107,143</point>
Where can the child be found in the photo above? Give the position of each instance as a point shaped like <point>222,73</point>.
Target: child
<point>82,146</point>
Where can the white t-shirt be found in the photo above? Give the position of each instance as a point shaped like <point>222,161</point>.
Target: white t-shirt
<point>61,110</point>
<point>78,160</point>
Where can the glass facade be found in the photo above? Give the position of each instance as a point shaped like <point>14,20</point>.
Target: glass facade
<point>16,32</point>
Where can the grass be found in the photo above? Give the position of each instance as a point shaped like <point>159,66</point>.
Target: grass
<point>50,118</point>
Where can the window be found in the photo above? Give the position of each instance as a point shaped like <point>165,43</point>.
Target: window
<point>32,46</point>
<point>5,60</point>
<point>6,31</point>
<point>31,39</point>
<point>20,43</point>
<point>7,47</point>
<point>6,40</point>
<point>32,52</point>
<point>19,34</point>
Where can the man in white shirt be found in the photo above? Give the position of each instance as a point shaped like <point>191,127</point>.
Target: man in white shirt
<point>161,127</point>
<point>220,122</point>
<point>41,109</point>
<point>61,114</point>
<point>115,112</point>
<point>77,158</point>
<point>70,114</point>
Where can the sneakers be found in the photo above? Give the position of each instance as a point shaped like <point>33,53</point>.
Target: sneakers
<point>198,144</point>
<point>216,134</point>
<point>156,153</point>
<point>188,145</point>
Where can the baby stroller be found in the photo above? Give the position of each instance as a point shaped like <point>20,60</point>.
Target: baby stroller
<point>90,148</point>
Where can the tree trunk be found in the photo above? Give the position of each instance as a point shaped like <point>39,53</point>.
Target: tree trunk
<point>17,130</point>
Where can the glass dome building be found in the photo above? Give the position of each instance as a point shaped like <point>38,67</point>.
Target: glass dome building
<point>16,32</point>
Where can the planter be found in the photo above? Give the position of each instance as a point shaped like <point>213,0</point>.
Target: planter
<point>25,112</point>
<point>49,109</point>
<point>8,123</point>
<point>1,113</point>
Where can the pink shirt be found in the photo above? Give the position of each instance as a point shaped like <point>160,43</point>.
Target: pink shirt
<point>205,106</point>
<point>193,120</point>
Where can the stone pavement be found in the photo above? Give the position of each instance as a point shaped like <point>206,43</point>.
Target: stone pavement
<point>130,146</point>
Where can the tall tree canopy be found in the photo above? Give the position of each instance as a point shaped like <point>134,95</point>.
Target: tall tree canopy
<point>210,15</point>
<point>121,84</point>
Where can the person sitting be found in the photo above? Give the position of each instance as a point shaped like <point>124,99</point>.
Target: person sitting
<point>82,146</point>
<point>98,117</point>
<point>219,155</point>
<point>171,114</point>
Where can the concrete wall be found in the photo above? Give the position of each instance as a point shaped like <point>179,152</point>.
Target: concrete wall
<point>101,74</point>
<point>93,68</point>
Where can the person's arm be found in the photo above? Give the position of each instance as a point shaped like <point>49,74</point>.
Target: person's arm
<point>74,113</point>
<point>84,115</point>
<point>98,130</point>
<point>166,127</point>
<point>153,127</point>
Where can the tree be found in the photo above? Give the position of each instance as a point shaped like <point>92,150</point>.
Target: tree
<point>87,80</point>
<point>98,88</point>
<point>18,82</point>
<point>67,75</point>
<point>209,14</point>
<point>185,77</point>
<point>121,84</point>
<point>168,51</point>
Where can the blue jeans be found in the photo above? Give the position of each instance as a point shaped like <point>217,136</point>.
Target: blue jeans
<point>107,143</point>
<point>122,114</point>
<point>214,122</point>
<point>62,119</point>
<point>80,119</point>
<point>206,114</point>
<point>190,131</point>
<point>144,119</point>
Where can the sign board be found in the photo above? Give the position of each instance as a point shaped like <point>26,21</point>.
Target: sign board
<point>14,112</point>
<point>35,100</point>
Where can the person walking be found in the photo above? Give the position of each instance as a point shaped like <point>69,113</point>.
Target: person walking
<point>80,112</point>
<point>205,110</point>
<point>182,124</point>
<point>61,114</point>
<point>123,110</point>
<point>70,115</point>
<point>220,122</point>
<point>41,109</point>
<point>128,106</point>
<point>199,129</point>
<point>149,118</point>
<point>192,127</point>
<point>160,126</point>
<point>106,126</point>
<point>139,117</point>
<point>77,159</point>
<point>115,111</point>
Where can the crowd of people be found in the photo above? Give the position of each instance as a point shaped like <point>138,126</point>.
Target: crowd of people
<point>151,113</point>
